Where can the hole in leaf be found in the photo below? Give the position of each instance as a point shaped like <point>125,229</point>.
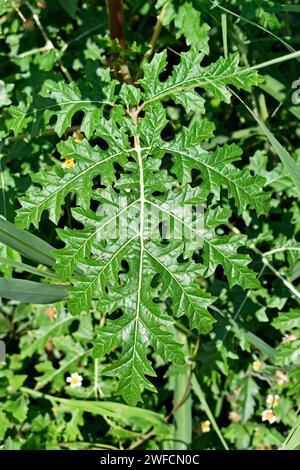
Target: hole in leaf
<point>101,143</point>
<point>77,118</point>
<point>74,326</point>
<point>125,266</point>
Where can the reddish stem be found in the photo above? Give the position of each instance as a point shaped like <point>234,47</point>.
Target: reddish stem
<point>116,20</point>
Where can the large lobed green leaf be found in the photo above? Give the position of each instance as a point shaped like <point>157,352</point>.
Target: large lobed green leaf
<point>189,74</point>
<point>147,282</point>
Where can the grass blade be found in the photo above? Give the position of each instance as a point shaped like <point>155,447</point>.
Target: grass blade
<point>276,89</point>
<point>138,416</point>
<point>224,34</point>
<point>260,344</point>
<point>292,441</point>
<point>27,268</point>
<point>183,416</point>
<point>31,292</point>
<point>199,393</point>
<point>290,165</point>
<point>26,243</point>
<point>295,272</point>
<point>252,23</point>
<point>253,339</point>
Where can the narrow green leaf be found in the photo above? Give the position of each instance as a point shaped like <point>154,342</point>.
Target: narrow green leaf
<point>255,340</point>
<point>199,393</point>
<point>224,34</point>
<point>136,416</point>
<point>31,292</point>
<point>289,163</point>
<point>183,421</point>
<point>295,273</point>
<point>26,243</point>
<point>27,268</point>
<point>292,441</point>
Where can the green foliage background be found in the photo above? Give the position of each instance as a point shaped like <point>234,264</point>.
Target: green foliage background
<point>231,140</point>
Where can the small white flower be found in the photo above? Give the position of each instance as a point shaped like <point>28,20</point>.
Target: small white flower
<point>258,365</point>
<point>272,400</point>
<point>234,417</point>
<point>75,380</point>
<point>288,338</point>
<point>268,415</point>
<point>127,190</point>
<point>281,377</point>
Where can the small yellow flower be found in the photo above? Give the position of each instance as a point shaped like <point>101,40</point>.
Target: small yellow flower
<point>272,400</point>
<point>234,417</point>
<point>263,447</point>
<point>68,163</point>
<point>78,136</point>
<point>51,313</point>
<point>205,426</point>
<point>281,377</point>
<point>268,415</point>
<point>258,365</point>
<point>75,380</point>
<point>288,338</point>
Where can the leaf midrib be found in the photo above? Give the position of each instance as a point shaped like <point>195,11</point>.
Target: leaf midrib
<point>174,277</point>
<point>74,255</point>
<point>191,83</point>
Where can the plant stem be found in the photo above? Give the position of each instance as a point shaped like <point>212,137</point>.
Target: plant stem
<point>141,441</point>
<point>184,396</point>
<point>182,411</point>
<point>97,388</point>
<point>116,26</point>
<point>49,44</point>
<point>156,33</point>
<point>285,281</point>
<point>20,14</point>
<point>116,20</point>
<point>278,250</point>
<point>224,34</point>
